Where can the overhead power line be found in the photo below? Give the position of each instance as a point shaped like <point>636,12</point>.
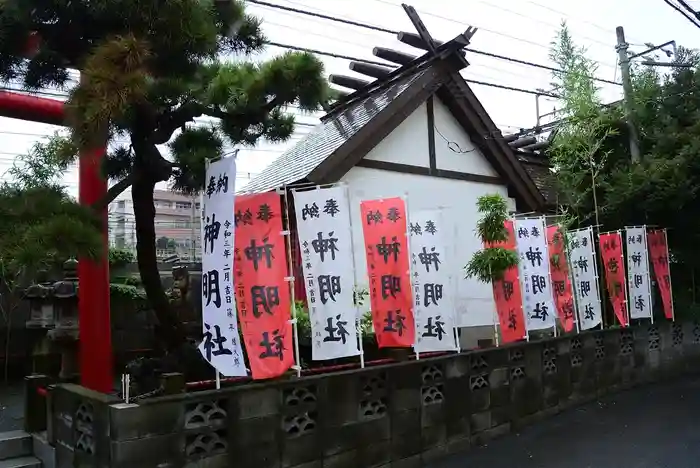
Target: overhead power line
<point>371,62</point>
<point>687,11</point>
<point>372,27</point>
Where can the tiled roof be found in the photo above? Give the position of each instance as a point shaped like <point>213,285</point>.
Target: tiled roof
<point>538,169</point>
<point>297,162</point>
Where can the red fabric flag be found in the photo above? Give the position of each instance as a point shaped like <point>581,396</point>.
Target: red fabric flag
<point>386,245</point>
<point>262,292</point>
<point>561,282</point>
<point>508,297</point>
<point>658,250</point>
<point>614,266</point>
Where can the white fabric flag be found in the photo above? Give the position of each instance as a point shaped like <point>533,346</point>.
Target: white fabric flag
<point>433,289</point>
<point>324,231</point>
<point>585,282</point>
<point>221,345</point>
<point>531,244</point>
<point>638,282</point>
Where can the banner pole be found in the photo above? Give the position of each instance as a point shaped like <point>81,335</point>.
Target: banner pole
<point>564,238</point>
<point>648,272</point>
<point>496,319</point>
<point>549,274</point>
<point>624,265</point>
<point>287,233</point>
<point>520,280</point>
<point>416,331</point>
<point>595,247</point>
<point>670,285</point>
<point>358,313</point>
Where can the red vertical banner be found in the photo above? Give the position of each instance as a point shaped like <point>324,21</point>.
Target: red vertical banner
<point>262,291</point>
<point>614,266</point>
<point>561,281</point>
<point>658,251</point>
<point>508,296</point>
<point>386,247</point>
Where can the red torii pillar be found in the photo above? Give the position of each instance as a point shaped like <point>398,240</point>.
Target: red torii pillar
<point>93,277</point>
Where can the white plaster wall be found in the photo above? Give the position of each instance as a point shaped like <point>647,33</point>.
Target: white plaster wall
<point>407,144</point>
<point>475,302</point>
<point>472,162</point>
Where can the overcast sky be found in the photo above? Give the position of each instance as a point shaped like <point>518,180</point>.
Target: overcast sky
<point>521,29</point>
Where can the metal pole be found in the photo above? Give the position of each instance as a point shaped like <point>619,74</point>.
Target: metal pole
<point>496,319</point>
<point>670,285</point>
<point>648,274</point>
<point>359,315</point>
<point>564,238</point>
<point>416,331</point>
<point>287,233</point>
<point>193,234</point>
<point>628,292</point>
<point>624,61</point>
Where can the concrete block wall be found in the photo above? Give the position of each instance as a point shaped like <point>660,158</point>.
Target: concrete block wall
<point>402,414</point>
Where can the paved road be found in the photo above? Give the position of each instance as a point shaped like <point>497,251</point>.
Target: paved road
<point>650,427</point>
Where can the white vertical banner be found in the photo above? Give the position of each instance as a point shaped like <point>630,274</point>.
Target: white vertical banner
<point>638,281</point>
<point>531,243</point>
<point>221,345</point>
<point>324,231</point>
<point>582,261</point>
<point>433,289</point>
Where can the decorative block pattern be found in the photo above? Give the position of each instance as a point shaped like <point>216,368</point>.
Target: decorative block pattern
<point>404,414</point>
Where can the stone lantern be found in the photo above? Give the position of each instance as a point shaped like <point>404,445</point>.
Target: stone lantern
<point>40,297</point>
<point>65,334</point>
<point>41,319</point>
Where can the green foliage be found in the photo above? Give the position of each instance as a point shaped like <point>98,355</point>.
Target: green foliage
<point>126,292</point>
<point>42,224</point>
<point>592,158</point>
<point>494,213</point>
<point>44,164</point>
<point>590,149</point>
<point>304,320</point>
<point>119,258</point>
<point>582,145</point>
<point>492,261</point>
<point>164,243</point>
<point>148,69</point>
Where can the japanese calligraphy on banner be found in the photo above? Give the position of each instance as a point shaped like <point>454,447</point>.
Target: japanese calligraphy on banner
<point>384,229</point>
<point>561,282</point>
<point>531,242</point>
<point>262,292</point>
<point>220,346</point>
<point>658,251</point>
<point>583,264</point>
<point>508,297</point>
<point>323,226</point>
<point>638,280</point>
<point>613,263</point>
<point>433,293</point>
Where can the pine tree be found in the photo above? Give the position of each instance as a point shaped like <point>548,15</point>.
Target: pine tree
<point>148,69</point>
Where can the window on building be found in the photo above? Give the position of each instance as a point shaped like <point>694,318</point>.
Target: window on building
<point>121,203</point>
<point>183,205</point>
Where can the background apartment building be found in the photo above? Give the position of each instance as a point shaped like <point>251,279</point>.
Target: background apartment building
<point>177,224</point>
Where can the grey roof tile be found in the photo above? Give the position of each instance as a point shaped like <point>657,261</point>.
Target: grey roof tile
<point>298,161</point>
<point>539,171</point>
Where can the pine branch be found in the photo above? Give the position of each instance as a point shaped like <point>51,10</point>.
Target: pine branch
<point>114,191</point>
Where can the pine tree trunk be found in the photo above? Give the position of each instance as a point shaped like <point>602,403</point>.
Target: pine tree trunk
<point>169,331</point>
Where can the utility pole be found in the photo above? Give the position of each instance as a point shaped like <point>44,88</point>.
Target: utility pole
<point>624,60</point>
